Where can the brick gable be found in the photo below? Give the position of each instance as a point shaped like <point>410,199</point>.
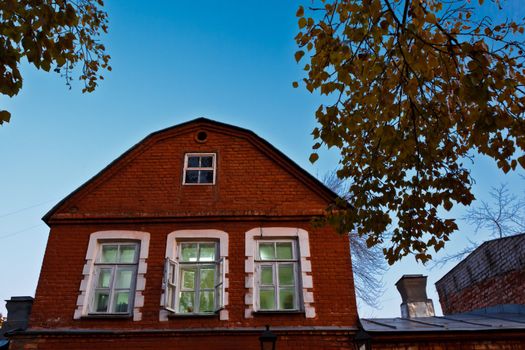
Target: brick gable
<point>253,178</point>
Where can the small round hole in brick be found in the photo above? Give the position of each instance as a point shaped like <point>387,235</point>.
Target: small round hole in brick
<point>202,136</point>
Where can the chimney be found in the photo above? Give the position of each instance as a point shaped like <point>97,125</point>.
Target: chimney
<point>413,290</point>
<point>18,311</point>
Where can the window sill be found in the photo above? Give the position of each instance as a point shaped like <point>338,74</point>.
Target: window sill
<point>175,316</point>
<point>107,316</point>
<point>278,312</point>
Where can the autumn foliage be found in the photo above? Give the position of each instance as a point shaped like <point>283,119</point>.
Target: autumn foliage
<point>414,89</point>
<point>51,34</point>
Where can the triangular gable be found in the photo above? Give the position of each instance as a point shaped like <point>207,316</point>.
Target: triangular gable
<point>308,187</point>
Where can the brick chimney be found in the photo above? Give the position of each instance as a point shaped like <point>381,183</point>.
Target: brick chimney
<point>18,311</point>
<point>413,290</point>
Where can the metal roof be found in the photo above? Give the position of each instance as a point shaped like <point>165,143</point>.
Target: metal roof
<point>503,317</point>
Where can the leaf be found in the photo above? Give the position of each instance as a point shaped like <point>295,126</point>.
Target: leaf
<point>300,11</point>
<point>5,116</point>
<point>298,55</point>
<point>295,84</point>
<point>313,157</point>
<point>302,22</point>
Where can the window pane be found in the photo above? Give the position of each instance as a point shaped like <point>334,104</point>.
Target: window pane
<point>207,278</point>
<point>186,302</point>
<point>104,278</point>
<point>267,299</point>
<point>286,275</point>
<point>193,162</point>
<point>109,254</point>
<point>170,301</point>
<point>286,298</point>
<point>266,251</point>
<point>284,250</point>
<point>206,177</point>
<point>207,302</point>
<point>219,296</point>
<point>267,275</point>
<point>101,301</point>
<point>172,276</point>
<point>188,279</point>
<point>192,176</point>
<point>124,278</point>
<point>189,252</point>
<point>206,162</point>
<point>127,254</point>
<point>207,252</point>
<point>121,302</point>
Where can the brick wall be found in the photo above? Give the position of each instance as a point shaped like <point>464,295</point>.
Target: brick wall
<point>295,340</point>
<point>493,274</point>
<point>147,182</point>
<point>142,191</point>
<point>61,274</point>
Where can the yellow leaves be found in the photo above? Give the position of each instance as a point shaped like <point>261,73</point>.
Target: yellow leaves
<point>298,55</point>
<point>313,157</point>
<point>302,22</point>
<point>45,37</point>
<point>409,105</point>
<point>300,12</point>
<point>521,160</point>
<point>295,84</point>
<point>5,116</point>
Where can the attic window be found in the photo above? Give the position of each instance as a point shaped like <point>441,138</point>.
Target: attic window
<point>199,169</point>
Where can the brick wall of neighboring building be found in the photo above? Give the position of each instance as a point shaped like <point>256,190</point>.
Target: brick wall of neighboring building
<point>492,274</point>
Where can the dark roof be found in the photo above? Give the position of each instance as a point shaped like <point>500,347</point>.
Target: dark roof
<point>321,187</point>
<point>501,317</point>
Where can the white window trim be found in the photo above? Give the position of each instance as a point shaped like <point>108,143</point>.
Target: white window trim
<point>95,240</point>
<point>305,265</point>
<point>213,168</point>
<point>199,235</point>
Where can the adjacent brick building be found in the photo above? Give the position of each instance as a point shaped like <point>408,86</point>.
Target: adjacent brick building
<point>198,236</point>
<point>493,274</point>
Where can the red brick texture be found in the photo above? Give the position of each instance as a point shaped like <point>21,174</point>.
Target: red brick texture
<point>142,191</point>
<point>218,340</point>
<point>503,289</point>
<point>493,274</point>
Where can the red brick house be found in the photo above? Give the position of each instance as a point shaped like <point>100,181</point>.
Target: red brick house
<point>198,236</point>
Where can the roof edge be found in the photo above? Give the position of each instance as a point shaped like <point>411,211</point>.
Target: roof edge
<point>326,192</point>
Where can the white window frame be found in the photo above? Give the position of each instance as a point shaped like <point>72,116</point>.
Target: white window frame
<point>173,279</point>
<point>172,244</point>
<point>274,264</point>
<point>306,298</point>
<point>112,289</point>
<point>96,239</point>
<point>213,168</point>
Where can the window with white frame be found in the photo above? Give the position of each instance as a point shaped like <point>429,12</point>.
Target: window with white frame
<point>115,278</point>
<point>194,281</point>
<point>199,169</point>
<point>277,275</point>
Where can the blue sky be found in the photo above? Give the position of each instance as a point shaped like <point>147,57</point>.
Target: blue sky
<point>172,61</point>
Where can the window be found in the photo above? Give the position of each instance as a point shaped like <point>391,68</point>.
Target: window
<point>114,278</point>
<point>277,275</point>
<point>95,278</point>
<point>278,271</point>
<point>199,168</point>
<point>194,283</point>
